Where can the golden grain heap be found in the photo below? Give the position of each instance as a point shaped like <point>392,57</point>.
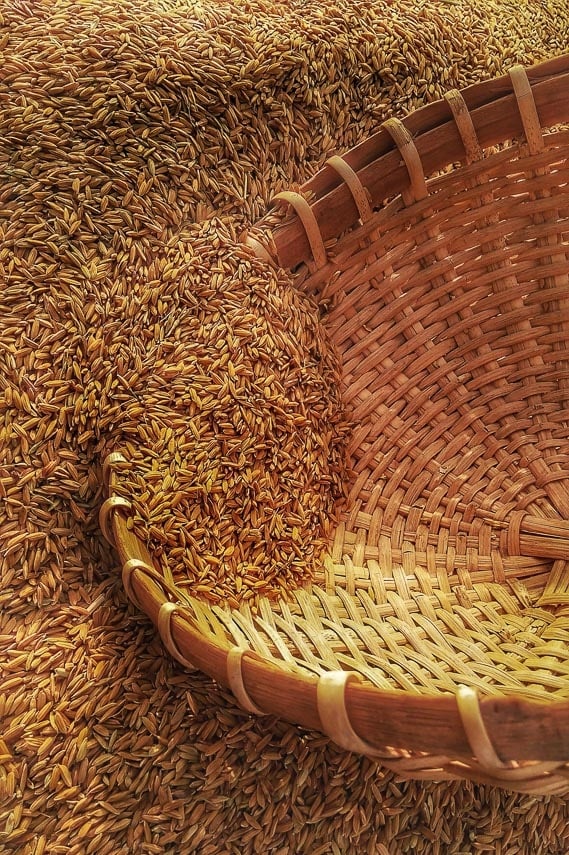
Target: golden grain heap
<point>122,122</point>
<point>236,448</point>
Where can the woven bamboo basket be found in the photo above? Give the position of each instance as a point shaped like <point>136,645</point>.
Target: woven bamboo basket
<point>436,636</point>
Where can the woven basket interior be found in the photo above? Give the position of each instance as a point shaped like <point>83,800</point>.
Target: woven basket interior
<point>451,316</point>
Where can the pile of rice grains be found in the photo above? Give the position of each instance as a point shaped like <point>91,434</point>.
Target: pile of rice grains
<point>236,441</point>
<point>137,138</point>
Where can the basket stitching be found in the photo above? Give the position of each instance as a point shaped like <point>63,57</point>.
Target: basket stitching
<point>235,678</point>
<point>107,512</point>
<point>167,609</point>
<point>527,108</point>
<point>331,704</point>
<point>465,125</point>
<point>127,570</point>
<point>354,185</point>
<point>475,729</point>
<point>408,150</point>
<point>308,219</point>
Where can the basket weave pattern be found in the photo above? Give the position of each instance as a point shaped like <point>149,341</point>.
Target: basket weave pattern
<point>436,636</point>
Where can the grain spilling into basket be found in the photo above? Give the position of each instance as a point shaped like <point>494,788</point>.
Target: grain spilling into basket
<point>236,458</point>
<point>120,121</point>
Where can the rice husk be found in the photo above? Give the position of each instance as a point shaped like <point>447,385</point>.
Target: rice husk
<point>119,124</point>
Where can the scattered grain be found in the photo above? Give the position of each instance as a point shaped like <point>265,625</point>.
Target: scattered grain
<point>121,122</point>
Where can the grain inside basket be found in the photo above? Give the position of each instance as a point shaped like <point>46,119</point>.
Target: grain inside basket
<point>237,461</point>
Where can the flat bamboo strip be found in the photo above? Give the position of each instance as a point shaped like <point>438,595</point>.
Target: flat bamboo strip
<point>383,176</point>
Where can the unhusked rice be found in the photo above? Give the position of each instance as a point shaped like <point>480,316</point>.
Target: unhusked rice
<point>121,122</point>
<point>237,446</point>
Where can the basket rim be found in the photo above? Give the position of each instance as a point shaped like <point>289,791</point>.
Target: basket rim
<point>496,113</point>
<point>507,740</point>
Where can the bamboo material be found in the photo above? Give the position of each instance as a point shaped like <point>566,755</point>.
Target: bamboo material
<point>436,635</point>
<point>438,143</point>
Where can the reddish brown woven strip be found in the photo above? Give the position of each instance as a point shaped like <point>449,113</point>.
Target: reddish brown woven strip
<point>404,142</point>
<point>308,220</point>
<point>528,110</point>
<point>355,186</point>
<point>465,125</point>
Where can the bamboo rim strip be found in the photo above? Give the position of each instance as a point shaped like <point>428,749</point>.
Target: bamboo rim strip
<point>517,740</point>
<point>454,130</point>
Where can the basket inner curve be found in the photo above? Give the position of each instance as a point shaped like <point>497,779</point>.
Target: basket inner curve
<point>453,335</point>
<point>451,317</point>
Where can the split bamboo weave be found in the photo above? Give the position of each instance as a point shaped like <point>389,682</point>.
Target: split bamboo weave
<point>436,636</point>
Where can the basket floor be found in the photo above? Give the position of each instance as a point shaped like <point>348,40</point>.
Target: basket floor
<point>489,637</point>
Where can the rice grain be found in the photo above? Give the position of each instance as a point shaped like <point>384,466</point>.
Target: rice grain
<point>121,124</point>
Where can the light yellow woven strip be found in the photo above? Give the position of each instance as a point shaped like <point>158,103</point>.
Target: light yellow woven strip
<point>106,512</point>
<point>235,679</point>
<point>331,702</point>
<point>128,568</point>
<point>165,629</point>
<point>475,729</point>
